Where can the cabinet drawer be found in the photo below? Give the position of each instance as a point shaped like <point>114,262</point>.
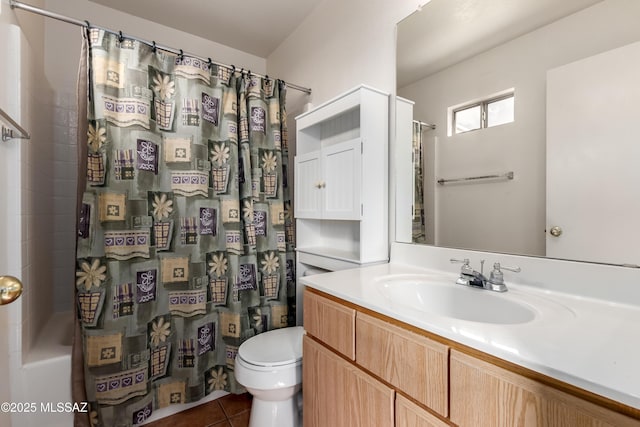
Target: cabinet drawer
<point>485,394</point>
<point>408,414</point>
<point>410,362</point>
<point>330,322</point>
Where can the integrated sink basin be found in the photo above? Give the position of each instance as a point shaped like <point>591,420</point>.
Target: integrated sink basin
<point>432,294</point>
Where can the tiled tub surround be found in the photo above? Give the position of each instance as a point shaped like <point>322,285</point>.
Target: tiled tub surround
<point>585,329</point>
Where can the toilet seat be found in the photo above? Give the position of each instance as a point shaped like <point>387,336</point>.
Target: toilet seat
<point>273,349</point>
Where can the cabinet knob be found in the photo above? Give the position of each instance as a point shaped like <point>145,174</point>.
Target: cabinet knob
<point>555,231</point>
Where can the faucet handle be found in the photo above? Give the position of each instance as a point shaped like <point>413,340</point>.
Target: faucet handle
<point>496,278</point>
<point>497,266</point>
<point>466,268</point>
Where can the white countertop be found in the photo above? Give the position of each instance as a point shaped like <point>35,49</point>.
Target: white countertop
<point>590,343</point>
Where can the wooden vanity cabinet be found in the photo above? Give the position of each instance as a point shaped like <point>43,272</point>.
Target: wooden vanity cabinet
<point>358,387</point>
<point>361,369</point>
<point>483,394</point>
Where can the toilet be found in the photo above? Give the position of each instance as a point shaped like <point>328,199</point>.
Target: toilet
<point>269,366</point>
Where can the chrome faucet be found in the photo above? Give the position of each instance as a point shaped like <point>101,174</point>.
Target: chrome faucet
<point>469,276</point>
<point>473,278</point>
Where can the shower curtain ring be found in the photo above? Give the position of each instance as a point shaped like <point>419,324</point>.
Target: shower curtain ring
<point>120,37</point>
<point>87,24</point>
<point>181,55</point>
<point>233,69</point>
<point>154,48</point>
<point>210,63</point>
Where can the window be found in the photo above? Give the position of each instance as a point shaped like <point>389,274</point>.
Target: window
<point>484,114</point>
<point>469,118</point>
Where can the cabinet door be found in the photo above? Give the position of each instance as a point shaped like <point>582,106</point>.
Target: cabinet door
<point>410,362</point>
<point>339,394</point>
<point>342,177</point>
<point>408,414</point>
<point>483,394</point>
<point>308,191</point>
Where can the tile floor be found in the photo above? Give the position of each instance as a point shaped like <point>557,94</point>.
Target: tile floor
<point>231,410</point>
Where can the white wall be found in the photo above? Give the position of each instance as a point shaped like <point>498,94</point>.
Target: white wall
<point>340,45</point>
<point>506,216</point>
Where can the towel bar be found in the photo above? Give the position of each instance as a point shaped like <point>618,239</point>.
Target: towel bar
<point>8,133</point>
<point>508,175</point>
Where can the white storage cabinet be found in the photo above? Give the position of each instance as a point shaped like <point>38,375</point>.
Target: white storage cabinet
<point>341,181</point>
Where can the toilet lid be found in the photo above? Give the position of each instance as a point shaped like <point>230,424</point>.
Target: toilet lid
<point>274,348</point>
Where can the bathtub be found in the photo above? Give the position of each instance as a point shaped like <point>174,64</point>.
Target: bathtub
<point>46,378</point>
<point>46,375</point>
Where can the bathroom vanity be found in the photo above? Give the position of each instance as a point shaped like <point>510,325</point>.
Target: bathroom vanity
<point>372,356</point>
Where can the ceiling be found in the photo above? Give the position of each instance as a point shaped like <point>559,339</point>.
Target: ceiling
<point>253,26</point>
<point>445,32</point>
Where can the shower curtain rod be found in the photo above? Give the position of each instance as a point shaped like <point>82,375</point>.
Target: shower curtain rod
<point>424,124</point>
<point>18,5</point>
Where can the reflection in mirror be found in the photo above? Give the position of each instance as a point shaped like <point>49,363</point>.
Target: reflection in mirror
<point>545,90</point>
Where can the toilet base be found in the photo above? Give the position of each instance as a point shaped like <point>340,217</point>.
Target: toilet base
<point>269,413</point>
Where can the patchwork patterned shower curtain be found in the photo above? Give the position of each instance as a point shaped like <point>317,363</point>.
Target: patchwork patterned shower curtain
<point>418,221</point>
<point>185,239</point>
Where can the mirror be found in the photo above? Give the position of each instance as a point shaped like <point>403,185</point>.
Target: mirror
<point>558,178</point>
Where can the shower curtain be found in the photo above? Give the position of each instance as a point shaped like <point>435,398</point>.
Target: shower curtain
<point>418,221</point>
<point>185,240</point>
